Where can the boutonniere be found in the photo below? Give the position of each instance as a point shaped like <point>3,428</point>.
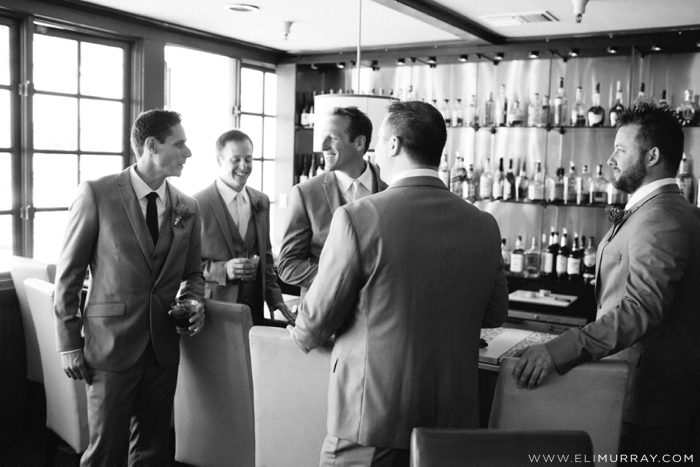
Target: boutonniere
<point>181,211</point>
<point>616,215</point>
<point>259,205</point>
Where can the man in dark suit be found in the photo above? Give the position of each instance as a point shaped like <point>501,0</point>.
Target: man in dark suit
<point>235,228</point>
<point>407,279</point>
<point>346,138</point>
<point>647,290</point>
<point>139,237</point>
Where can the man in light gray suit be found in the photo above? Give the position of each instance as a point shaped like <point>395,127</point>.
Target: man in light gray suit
<point>406,280</point>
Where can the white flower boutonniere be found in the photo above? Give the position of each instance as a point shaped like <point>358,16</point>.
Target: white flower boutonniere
<point>181,212</point>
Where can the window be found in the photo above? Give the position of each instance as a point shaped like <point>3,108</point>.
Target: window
<point>6,149</point>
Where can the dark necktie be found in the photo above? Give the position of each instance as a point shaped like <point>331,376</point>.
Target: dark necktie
<point>152,215</point>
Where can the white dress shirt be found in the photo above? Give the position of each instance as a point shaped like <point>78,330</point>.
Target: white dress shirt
<point>414,173</point>
<point>239,213</point>
<point>646,189</point>
<point>345,184</point>
<point>142,190</point>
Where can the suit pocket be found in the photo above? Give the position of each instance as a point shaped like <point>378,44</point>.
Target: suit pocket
<point>106,309</point>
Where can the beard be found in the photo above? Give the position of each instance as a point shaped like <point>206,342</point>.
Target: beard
<point>632,178</point>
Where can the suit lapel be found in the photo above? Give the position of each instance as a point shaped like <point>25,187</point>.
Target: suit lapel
<point>178,231</point>
<point>255,201</point>
<point>664,189</point>
<point>135,215</point>
<point>217,206</point>
<point>330,187</point>
<point>378,184</point>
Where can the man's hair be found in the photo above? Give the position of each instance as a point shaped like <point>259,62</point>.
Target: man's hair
<point>157,123</point>
<point>359,123</point>
<point>231,135</point>
<point>658,128</point>
<point>421,129</point>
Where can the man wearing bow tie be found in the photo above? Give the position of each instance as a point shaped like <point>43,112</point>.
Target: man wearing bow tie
<point>647,291</point>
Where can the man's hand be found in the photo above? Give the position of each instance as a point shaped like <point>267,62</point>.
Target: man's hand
<point>241,268</point>
<point>74,366</point>
<point>197,321</point>
<point>289,315</point>
<point>534,365</point>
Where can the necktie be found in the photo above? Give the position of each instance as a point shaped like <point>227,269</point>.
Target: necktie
<point>236,214</point>
<point>152,215</point>
<point>356,193</point>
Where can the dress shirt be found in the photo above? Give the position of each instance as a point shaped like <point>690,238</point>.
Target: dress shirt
<point>141,190</point>
<point>646,189</point>
<point>345,183</point>
<point>414,173</point>
<point>229,196</point>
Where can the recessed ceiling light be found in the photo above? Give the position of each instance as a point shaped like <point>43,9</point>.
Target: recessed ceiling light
<point>432,60</point>
<point>612,50</point>
<point>463,58</point>
<point>655,48</point>
<point>400,61</point>
<point>499,56</point>
<point>241,7</point>
<point>534,54</point>
<point>574,52</point>
<point>340,64</point>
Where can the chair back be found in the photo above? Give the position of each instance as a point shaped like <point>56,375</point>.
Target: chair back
<point>291,398</point>
<point>214,396</point>
<point>590,397</point>
<point>442,447</point>
<point>66,402</point>
<point>22,269</point>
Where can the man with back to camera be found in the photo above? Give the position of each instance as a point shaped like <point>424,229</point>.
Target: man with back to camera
<point>346,138</point>
<point>139,236</point>
<point>648,290</point>
<point>235,227</point>
<point>406,280</point>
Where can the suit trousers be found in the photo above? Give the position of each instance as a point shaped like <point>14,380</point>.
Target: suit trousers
<point>338,452</point>
<point>129,414</point>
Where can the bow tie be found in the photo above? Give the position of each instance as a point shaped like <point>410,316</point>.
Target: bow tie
<point>615,214</point>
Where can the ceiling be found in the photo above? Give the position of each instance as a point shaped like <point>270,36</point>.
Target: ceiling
<point>330,25</point>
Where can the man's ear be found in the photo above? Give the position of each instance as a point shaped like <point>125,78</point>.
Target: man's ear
<point>361,144</point>
<point>395,145</point>
<point>653,157</point>
<point>150,144</point>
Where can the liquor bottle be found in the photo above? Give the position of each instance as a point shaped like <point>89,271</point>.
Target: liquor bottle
<point>550,267</point>
<point>570,184</point>
<point>641,96</point>
<point>486,183</point>
<point>321,165</point>
<point>457,175</point>
<point>618,107</point>
<point>533,111</point>
<point>535,190</point>
<point>596,114</point>
<point>532,260</point>
<point>544,253</point>
<point>517,258</point>
<point>583,187</point>
<point>509,183</point>
<point>305,166</point>
<point>598,187</point>
<point>499,179</point>
<point>573,264</point>
<point>578,111</point>
<point>543,119</point>
<point>444,171</point>
<point>489,110</point>
<point>555,187</point>
<point>446,113</point>
<point>663,102</point>
<point>521,183</point>
<point>684,180</point>
<point>304,117</point>
<point>589,257</point>
<point>505,253</point>
<point>470,187</point>
<point>516,116</point>
<point>312,112</point>
<point>688,112</point>
<point>457,119</point>
<point>563,256</point>
<point>312,167</point>
<point>502,107</point>
<point>559,107</point>
<point>471,119</point>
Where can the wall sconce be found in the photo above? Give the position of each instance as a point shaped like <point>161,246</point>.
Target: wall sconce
<point>534,54</point>
<point>463,58</point>
<point>499,56</point>
<point>574,53</point>
<point>655,48</point>
<point>400,61</point>
<point>340,64</point>
<point>432,60</point>
<point>612,50</point>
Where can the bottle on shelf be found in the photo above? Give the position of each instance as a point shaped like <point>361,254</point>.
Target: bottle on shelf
<point>543,114</point>
<point>457,175</point>
<point>573,264</point>
<point>685,180</point>
<point>509,187</point>
<point>521,183</point>
<point>688,112</point>
<point>578,111</point>
<point>502,107</point>
<point>470,187</point>
<point>321,165</point>
<point>533,110</point>
<point>615,196</point>
<point>663,102</point>
<point>517,258</point>
<point>499,179</point>
<point>505,253</point>
<point>444,171</point>
<point>305,167</point>
<point>535,190</point>
<point>560,105</point>
<point>617,109</point>
<point>312,112</point>
<point>598,188</point>
<point>486,183</point>
<point>555,187</point>
<point>304,117</point>
<point>570,181</point>
<point>516,116</point>
<point>563,256</point>
<point>312,165</point>
<point>446,113</point>
<point>472,119</point>
<point>596,114</point>
<point>583,187</point>
<point>641,96</point>
<point>544,252</point>
<point>589,257</point>
<point>489,112</point>
<point>532,260</point>
<point>457,119</point>
<point>550,266</point>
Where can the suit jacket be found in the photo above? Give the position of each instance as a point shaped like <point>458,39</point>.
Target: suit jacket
<point>129,296</point>
<point>407,279</point>
<point>311,208</point>
<point>218,246</point>
<point>648,291</point>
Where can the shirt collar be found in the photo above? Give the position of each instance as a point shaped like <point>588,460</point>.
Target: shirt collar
<point>645,190</point>
<point>414,173</point>
<point>142,189</point>
<point>229,194</point>
<point>345,182</point>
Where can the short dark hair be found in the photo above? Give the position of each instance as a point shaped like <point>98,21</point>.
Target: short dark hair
<point>359,123</point>
<point>157,123</point>
<point>658,128</point>
<point>231,135</point>
<point>421,129</point>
